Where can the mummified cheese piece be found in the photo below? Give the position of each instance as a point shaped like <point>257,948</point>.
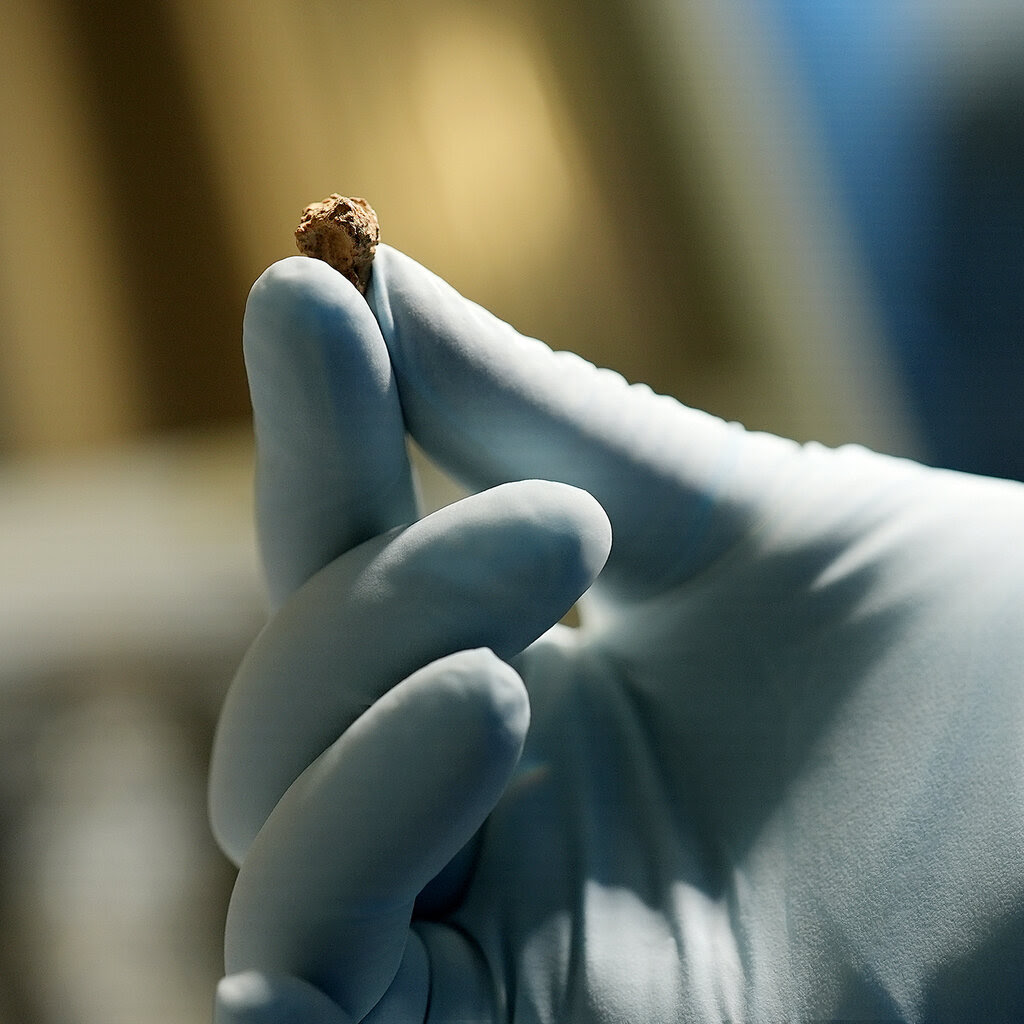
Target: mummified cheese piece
<point>343,232</point>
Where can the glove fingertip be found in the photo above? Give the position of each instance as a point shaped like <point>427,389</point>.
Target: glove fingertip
<point>590,527</point>
<point>253,997</point>
<point>489,700</point>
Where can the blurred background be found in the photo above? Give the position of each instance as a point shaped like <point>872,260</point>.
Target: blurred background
<point>806,215</point>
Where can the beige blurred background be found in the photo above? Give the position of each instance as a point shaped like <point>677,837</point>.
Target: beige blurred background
<point>626,179</point>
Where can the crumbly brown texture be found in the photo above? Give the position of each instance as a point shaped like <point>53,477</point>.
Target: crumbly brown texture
<point>342,231</point>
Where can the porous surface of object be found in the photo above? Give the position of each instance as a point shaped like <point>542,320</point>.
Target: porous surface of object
<point>343,232</point>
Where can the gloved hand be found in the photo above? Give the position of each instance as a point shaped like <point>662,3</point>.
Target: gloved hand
<point>777,773</point>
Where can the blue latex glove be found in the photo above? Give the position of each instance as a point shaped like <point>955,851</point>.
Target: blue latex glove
<point>777,773</point>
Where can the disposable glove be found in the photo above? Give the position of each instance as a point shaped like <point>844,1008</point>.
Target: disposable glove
<point>777,772</point>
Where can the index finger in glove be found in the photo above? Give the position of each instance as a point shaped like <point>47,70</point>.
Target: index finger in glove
<point>331,466</point>
<point>490,405</point>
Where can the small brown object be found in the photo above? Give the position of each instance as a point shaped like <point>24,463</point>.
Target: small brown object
<point>343,232</point>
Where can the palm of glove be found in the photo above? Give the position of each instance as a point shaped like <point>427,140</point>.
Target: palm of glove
<point>745,787</point>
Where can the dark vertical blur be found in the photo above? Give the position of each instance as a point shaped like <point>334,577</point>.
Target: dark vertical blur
<point>920,112</point>
<point>968,383</point>
<point>183,282</point>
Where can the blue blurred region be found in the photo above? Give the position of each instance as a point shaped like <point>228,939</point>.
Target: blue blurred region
<point>922,127</point>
